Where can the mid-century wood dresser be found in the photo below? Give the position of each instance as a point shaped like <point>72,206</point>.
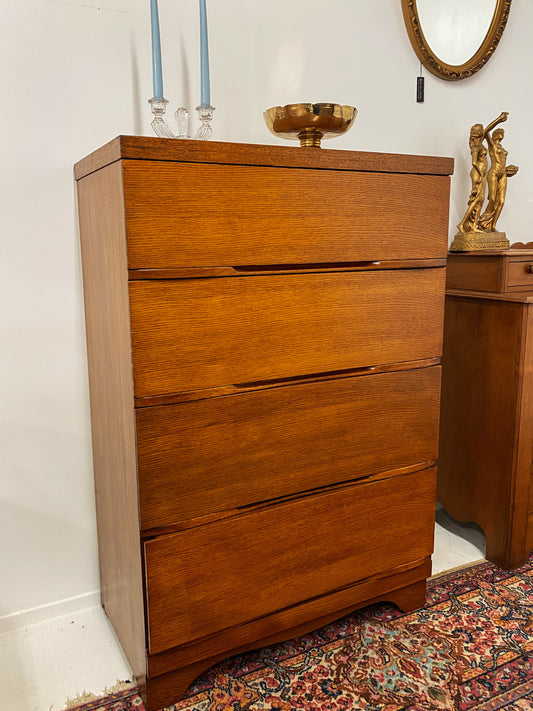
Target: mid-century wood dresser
<point>486,442</point>
<point>264,329</point>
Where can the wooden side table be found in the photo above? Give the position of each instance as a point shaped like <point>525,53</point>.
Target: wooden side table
<point>486,430</point>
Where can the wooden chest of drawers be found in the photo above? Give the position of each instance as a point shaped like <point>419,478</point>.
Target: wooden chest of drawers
<point>486,441</point>
<point>264,329</point>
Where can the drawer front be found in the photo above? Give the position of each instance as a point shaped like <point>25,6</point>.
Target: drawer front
<point>478,273</point>
<point>212,577</point>
<point>520,274</point>
<point>193,215</point>
<point>212,455</point>
<point>203,333</point>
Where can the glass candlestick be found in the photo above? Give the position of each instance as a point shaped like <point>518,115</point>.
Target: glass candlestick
<point>182,119</point>
<point>205,113</point>
<point>160,126</point>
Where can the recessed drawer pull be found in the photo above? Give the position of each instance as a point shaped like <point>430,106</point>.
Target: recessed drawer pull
<point>304,266</point>
<point>530,269</point>
<point>311,376</point>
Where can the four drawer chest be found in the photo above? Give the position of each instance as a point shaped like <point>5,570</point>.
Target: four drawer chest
<point>264,333</point>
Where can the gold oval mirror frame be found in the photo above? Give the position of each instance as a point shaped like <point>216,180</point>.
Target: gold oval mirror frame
<point>440,68</point>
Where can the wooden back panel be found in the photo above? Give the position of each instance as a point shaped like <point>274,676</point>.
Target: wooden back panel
<point>206,456</point>
<point>479,414</point>
<point>225,573</point>
<point>188,214</point>
<point>486,429</point>
<point>202,333</point>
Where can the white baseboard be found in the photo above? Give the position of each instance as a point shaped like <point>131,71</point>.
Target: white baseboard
<point>35,615</point>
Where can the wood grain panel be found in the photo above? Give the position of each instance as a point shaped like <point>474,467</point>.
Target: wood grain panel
<point>480,415</point>
<point>223,390</point>
<point>102,231</point>
<point>197,333</point>
<point>518,550</point>
<point>149,148</point>
<point>486,273</point>
<point>529,532</point>
<point>186,214</point>
<point>210,455</point>
<point>283,555</point>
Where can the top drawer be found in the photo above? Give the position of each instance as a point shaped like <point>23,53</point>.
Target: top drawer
<point>506,271</point>
<point>197,215</point>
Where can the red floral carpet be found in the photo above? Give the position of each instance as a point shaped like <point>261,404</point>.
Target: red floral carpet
<point>469,649</point>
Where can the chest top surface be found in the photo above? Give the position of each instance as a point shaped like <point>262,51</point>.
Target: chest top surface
<point>162,149</point>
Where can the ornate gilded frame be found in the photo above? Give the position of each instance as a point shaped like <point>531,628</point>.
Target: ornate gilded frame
<point>452,72</point>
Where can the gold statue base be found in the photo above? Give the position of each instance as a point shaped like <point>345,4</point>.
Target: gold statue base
<point>473,241</point>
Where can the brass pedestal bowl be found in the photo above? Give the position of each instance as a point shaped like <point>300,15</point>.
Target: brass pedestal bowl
<point>309,123</point>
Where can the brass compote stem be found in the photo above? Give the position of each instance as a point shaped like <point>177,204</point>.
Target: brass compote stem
<point>310,138</point>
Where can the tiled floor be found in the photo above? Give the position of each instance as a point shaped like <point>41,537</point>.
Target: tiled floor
<point>44,665</point>
<point>456,545</point>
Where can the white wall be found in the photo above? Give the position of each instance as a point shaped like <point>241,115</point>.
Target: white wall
<point>74,75</point>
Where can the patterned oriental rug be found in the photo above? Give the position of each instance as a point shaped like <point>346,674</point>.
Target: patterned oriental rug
<point>469,649</point>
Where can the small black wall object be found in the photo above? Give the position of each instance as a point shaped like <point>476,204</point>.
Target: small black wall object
<point>420,90</point>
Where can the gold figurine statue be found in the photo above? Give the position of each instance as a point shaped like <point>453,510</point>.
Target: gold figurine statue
<point>476,229</point>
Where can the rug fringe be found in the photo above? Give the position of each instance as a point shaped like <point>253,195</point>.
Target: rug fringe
<point>87,696</point>
<point>83,698</point>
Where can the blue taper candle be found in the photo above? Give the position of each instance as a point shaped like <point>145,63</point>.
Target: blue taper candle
<point>205,95</point>
<point>157,71</point>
